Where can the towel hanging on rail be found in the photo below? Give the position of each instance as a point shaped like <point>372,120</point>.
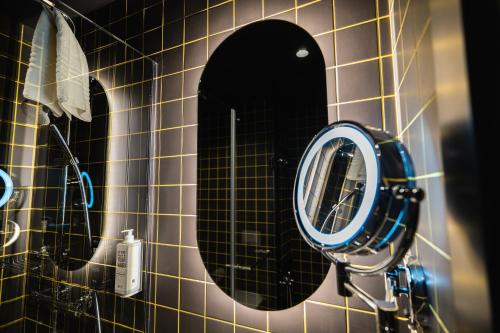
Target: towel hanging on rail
<point>58,75</point>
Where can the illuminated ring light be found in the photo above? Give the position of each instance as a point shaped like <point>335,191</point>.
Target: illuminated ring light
<point>86,176</point>
<point>9,187</point>
<point>380,218</point>
<point>365,145</point>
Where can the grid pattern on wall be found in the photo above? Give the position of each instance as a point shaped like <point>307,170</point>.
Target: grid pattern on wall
<point>354,36</point>
<point>418,128</point>
<point>17,152</point>
<point>119,146</point>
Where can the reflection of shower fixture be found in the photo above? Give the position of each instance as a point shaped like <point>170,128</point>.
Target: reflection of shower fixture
<point>387,214</point>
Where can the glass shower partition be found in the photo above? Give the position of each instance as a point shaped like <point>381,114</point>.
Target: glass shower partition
<point>69,187</point>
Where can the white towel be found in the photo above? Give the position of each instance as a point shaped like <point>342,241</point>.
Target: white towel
<point>72,73</point>
<point>58,75</point>
<point>40,83</point>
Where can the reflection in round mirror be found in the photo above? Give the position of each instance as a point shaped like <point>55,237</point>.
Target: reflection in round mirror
<point>334,185</point>
<point>342,197</point>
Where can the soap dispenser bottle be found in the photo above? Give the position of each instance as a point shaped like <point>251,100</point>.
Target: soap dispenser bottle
<point>128,276</point>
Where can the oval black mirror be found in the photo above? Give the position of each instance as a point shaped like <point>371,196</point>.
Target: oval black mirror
<point>277,96</point>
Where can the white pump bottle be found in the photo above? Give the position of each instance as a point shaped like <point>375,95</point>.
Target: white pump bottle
<point>128,275</point>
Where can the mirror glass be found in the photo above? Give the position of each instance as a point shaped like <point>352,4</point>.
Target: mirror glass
<point>252,247</point>
<point>334,185</point>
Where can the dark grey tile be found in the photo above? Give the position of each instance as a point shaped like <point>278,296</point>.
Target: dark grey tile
<point>275,6</point>
<point>173,34</point>
<point>214,326</point>
<point>361,322</point>
<point>170,142</point>
<point>167,259</point>
<point>168,229</point>
<point>193,6</point>
<point>189,200</point>
<point>287,321</point>
<point>331,86</point>
<point>250,317</point>
<point>171,87</point>
<point>192,81</point>
<point>219,305</point>
<point>220,18</point>
<point>167,289</point>
<point>325,43</point>
<point>373,285</point>
<point>385,36</point>
<point>357,43</point>
<point>348,12</point>
<point>324,319</point>
<point>190,112</point>
<point>215,41</point>
<point>166,320</point>
<point>366,113</point>
<point>189,145</point>
<point>171,60</point>
<point>171,114</point>
<point>189,170</point>
<point>316,18</point>
<point>196,26</point>
<point>327,292</point>
<point>247,11</point>
<point>169,200</point>
<point>192,295</point>
<point>359,81</point>
<point>192,266</point>
<point>196,54</point>
<point>189,230</point>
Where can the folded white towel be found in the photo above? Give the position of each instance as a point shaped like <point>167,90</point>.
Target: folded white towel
<point>72,73</point>
<point>40,83</point>
<point>58,74</point>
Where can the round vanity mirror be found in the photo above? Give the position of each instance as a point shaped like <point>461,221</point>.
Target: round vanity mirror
<point>343,198</point>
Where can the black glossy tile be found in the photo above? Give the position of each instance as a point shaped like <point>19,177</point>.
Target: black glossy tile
<point>193,6</point>
<point>171,87</point>
<point>173,34</point>
<point>153,16</point>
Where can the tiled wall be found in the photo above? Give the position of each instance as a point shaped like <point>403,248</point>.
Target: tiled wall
<point>418,128</point>
<point>355,38</point>
<point>17,153</point>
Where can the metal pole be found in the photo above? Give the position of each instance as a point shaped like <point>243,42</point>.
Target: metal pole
<point>233,198</point>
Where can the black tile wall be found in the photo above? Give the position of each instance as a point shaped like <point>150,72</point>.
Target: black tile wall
<point>354,36</point>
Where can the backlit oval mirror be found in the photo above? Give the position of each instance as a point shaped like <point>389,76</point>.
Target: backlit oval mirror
<point>275,97</point>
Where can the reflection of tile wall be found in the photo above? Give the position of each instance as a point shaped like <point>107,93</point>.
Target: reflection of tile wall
<point>17,147</point>
<point>182,35</point>
<point>418,128</point>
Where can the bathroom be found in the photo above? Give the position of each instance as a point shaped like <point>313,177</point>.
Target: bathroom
<point>178,151</point>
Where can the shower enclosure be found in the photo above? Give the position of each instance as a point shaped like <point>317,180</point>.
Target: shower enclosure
<point>68,188</point>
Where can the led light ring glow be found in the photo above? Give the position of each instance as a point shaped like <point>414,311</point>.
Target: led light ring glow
<point>371,187</point>
<point>15,236</point>
<point>86,176</point>
<point>9,187</point>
